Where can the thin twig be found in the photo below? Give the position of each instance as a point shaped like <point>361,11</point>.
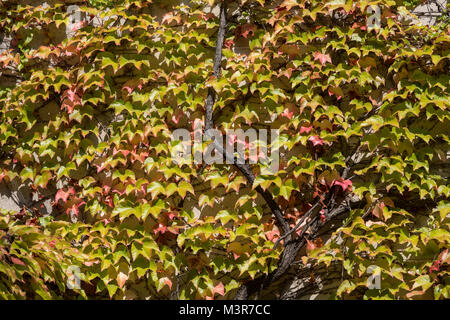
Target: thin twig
<point>305,216</point>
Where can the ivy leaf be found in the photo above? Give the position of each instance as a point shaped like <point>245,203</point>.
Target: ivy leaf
<point>17,261</point>
<point>121,279</point>
<point>184,187</point>
<point>316,141</point>
<point>70,99</point>
<point>423,281</point>
<point>344,184</point>
<point>246,29</point>
<point>42,180</point>
<point>63,195</point>
<point>323,58</point>
<point>79,25</point>
<point>305,129</point>
<point>378,210</point>
<point>287,113</point>
<point>27,173</point>
<point>289,4</point>
<point>219,288</point>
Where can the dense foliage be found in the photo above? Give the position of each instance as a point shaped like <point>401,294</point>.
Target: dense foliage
<point>364,129</point>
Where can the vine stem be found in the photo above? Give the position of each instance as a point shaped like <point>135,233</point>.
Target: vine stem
<point>209,124</point>
<point>291,248</point>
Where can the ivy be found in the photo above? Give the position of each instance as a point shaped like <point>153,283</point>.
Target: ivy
<point>363,120</point>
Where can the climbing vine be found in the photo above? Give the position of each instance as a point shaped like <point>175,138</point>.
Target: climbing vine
<point>86,127</point>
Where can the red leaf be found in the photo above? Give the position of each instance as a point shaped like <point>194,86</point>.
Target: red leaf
<point>316,243</point>
<point>161,228</point>
<point>176,119</point>
<point>305,129</point>
<point>219,289</point>
<point>109,201</point>
<point>75,208</point>
<point>315,140</point>
<point>129,89</point>
<point>344,184</point>
<point>63,195</point>
<point>310,245</point>
<point>245,30</point>
<point>100,167</point>
<point>208,16</point>
<point>70,100</point>
<point>17,261</point>
<point>78,25</point>
<point>229,43</point>
<point>288,114</point>
<point>171,215</point>
<point>378,210</point>
<point>121,279</point>
<point>322,217</point>
<point>323,58</point>
<point>272,234</point>
<point>374,101</point>
<point>90,263</point>
<point>168,282</point>
<point>124,152</point>
<point>435,266</point>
